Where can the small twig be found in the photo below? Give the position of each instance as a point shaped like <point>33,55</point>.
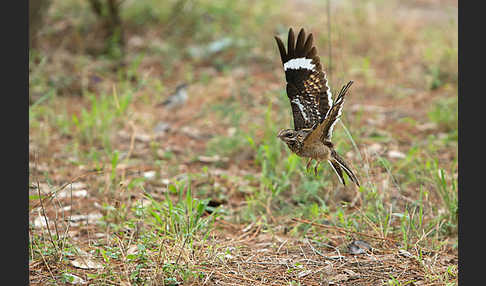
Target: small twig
<point>45,261</point>
<point>66,233</point>
<point>317,251</point>
<point>208,277</point>
<point>303,253</point>
<point>30,244</point>
<point>45,217</point>
<point>182,248</point>
<point>123,253</point>
<point>244,278</point>
<point>343,230</point>
<point>256,233</point>
<point>278,250</point>
<point>115,96</point>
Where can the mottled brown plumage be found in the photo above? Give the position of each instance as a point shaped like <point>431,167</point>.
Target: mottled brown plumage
<point>312,106</point>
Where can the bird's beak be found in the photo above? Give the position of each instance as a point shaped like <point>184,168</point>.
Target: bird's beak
<point>279,134</point>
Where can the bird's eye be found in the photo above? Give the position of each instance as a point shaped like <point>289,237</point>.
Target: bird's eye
<point>288,135</point>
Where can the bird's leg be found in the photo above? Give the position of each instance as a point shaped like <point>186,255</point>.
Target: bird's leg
<point>308,164</point>
<point>315,168</point>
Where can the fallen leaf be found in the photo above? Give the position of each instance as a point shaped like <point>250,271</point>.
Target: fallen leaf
<point>149,174</point>
<point>394,154</point>
<point>86,263</point>
<point>304,273</point>
<point>212,159</point>
<point>73,279</point>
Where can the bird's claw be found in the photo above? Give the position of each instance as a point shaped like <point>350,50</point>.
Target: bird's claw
<point>308,165</point>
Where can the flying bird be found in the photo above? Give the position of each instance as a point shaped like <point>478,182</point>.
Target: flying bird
<point>313,109</point>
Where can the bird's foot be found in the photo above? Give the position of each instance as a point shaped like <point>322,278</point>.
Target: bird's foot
<point>315,168</point>
<point>308,165</point>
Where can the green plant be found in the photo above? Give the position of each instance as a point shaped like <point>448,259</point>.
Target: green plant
<point>444,114</point>
<point>95,124</point>
<point>182,220</point>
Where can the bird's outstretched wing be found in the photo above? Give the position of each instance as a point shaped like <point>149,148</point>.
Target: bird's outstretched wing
<point>307,87</point>
<point>323,131</point>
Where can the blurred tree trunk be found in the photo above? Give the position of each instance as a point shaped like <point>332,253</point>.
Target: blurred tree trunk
<point>108,12</point>
<point>37,11</point>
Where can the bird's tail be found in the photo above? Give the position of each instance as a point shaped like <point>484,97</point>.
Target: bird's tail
<point>338,164</point>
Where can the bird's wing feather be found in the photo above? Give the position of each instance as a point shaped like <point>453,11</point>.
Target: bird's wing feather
<point>307,87</point>
<point>336,159</point>
<point>338,170</point>
<point>323,131</point>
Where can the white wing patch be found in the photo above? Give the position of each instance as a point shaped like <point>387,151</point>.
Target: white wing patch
<point>339,177</point>
<point>345,169</point>
<point>299,63</point>
<point>301,107</point>
<point>331,128</point>
<point>329,95</point>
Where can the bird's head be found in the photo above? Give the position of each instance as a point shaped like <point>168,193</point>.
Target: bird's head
<point>289,136</point>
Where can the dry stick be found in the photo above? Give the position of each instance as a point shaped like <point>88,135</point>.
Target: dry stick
<point>65,185</point>
<point>45,217</point>
<point>208,277</point>
<point>369,222</point>
<point>320,253</point>
<point>159,259</point>
<point>30,244</point>
<point>281,245</point>
<point>242,277</point>
<point>120,243</point>
<point>57,230</point>
<point>62,240</point>
<point>343,230</point>
<point>303,253</point>
<point>66,233</point>
<point>45,261</point>
<point>185,240</point>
